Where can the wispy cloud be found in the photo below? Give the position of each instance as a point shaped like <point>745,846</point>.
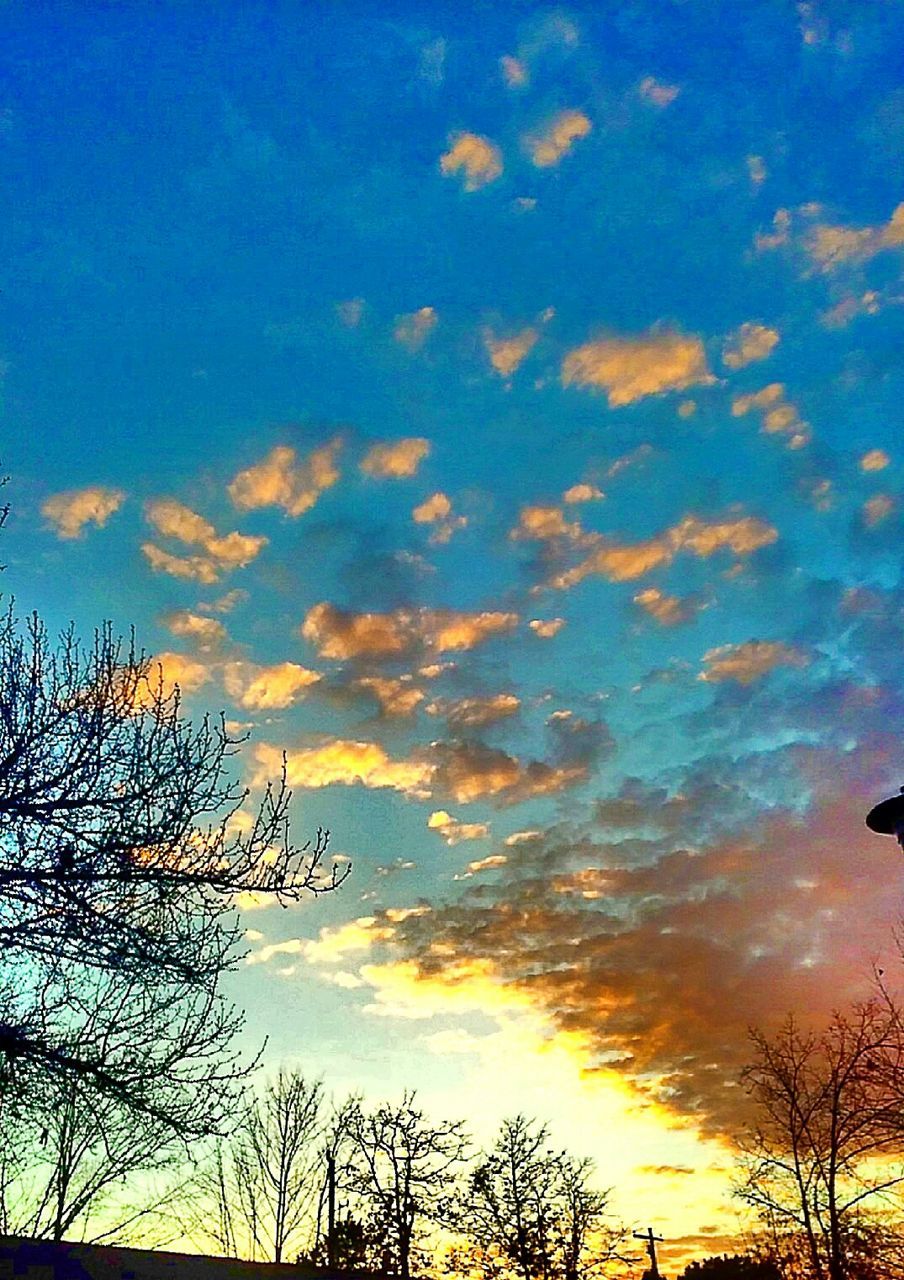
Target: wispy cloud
<point>550,144</point>
<point>628,369</point>
<point>778,415</point>
<point>263,688</point>
<point>218,553</point>
<point>749,343</point>
<point>341,634</point>
<point>413,329</point>
<point>506,354</point>
<point>396,459</point>
<point>749,661</point>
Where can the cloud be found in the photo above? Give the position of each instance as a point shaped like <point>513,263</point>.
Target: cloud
<point>168,670</point>
<point>347,763</point>
<point>262,688</point>
<point>582,493</point>
<point>749,343</point>
<point>351,312</point>
<point>395,459</point>
<point>413,330</point>
<point>281,480</point>
<point>453,831</point>
<point>756,170</point>
<point>475,712</point>
<point>514,71</point>
<point>657,92</point>
<point>490,863</point>
<point>207,633</point>
<point>874,460</point>
<point>547,524</point>
<point>220,552</point>
<point>668,610</point>
<point>469,771</point>
<point>68,512</point>
<point>437,511</point>
<point>546,628</point>
<point>778,415</point>
<point>554,141</point>
<point>877,509</point>
<point>741,535</point>
<point>832,246</point>
<point>507,353</point>
<point>749,661</point>
<point>396,696</point>
<point>476,159</point>
<point>341,634</point>
<point>628,369</point>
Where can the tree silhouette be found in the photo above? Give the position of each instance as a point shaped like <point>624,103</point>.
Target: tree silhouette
<point>124,841</point>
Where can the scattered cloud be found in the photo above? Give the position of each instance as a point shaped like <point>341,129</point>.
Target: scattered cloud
<point>168,671</point>
<point>453,831</point>
<point>547,524</point>
<point>831,246</point>
<point>874,460</point>
<point>877,509</point>
<point>341,634</point>
<point>749,661</point>
<point>491,863</point>
<point>778,415</point>
<point>514,71</point>
<point>68,512</point>
<point>205,632</point>
<point>668,610</point>
<point>475,712</point>
<point>477,160</point>
<point>749,343</point>
<point>351,312</point>
<point>625,562</point>
<point>582,493</point>
<point>506,354</point>
<point>346,763</point>
<point>397,696</point>
<point>628,369</point>
<point>756,170</point>
<point>546,628</point>
<point>282,480</point>
<point>218,553</point>
<point>273,688</point>
<point>657,92</point>
<point>469,771</point>
<point>395,459</point>
<point>413,330</point>
<point>554,141</point>
<point>437,511</point>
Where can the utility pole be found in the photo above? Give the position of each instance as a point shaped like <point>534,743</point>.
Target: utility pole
<point>651,1249</point>
<point>331,1210</point>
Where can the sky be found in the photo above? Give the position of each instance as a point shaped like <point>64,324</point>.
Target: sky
<point>495,409</point>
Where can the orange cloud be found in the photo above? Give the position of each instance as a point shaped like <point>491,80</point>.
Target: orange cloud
<point>546,628</point>
<point>341,762</point>
<point>668,610</point>
<point>582,493</point>
<point>271,688</point>
<point>877,509</point>
<point>397,459</point>
<point>340,634</point>
<point>546,524</point>
<point>453,831</point>
<point>830,246</point>
<point>475,158</point>
<point>281,480</point>
<point>168,671</point>
<point>397,697</point>
<point>437,511</point>
<point>554,141</point>
<point>623,563</point>
<point>874,460</point>
<point>749,343</point>
<point>749,661</point>
<point>68,512</point>
<point>218,552</point>
<point>207,633</point>
<point>470,771</point>
<point>628,369</point>
<point>413,330</point>
<point>507,353</point>
<point>778,415</point>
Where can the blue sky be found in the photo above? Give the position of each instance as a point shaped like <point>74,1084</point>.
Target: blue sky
<point>497,409</point>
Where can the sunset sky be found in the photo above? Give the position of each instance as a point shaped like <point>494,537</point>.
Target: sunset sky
<point>497,409</point>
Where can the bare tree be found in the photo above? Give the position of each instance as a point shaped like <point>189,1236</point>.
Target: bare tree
<point>275,1174</point>
<point>124,841</point>
<point>823,1161</point>
<point>529,1210</point>
<point>400,1165</point>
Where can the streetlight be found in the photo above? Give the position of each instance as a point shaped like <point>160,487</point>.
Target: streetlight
<point>887,817</point>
